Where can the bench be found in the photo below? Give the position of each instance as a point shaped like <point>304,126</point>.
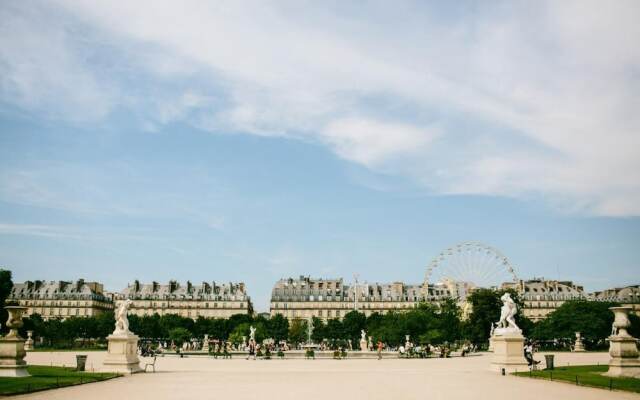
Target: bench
<point>152,364</point>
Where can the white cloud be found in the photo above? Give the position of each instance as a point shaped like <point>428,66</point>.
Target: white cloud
<point>527,98</point>
<point>48,231</point>
<point>370,142</point>
<point>125,191</point>
<point>40,69</point>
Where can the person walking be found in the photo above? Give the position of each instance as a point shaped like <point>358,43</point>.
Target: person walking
<point>380,346</point>
<point>252,349</point>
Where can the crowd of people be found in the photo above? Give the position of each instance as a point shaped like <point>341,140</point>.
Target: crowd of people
<point>253,349</point>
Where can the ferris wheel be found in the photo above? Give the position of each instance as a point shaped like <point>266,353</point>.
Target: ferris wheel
<point>470,264</point>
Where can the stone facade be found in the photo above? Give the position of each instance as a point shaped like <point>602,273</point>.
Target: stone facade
<point>627,296</point>
<point>542,297</point>
<point>307,297</point>
<point>209,300</point>
<point>61,299</point>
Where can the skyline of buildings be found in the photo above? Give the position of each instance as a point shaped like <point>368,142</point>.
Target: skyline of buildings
<point>208,299</point>
<point>301,297</point>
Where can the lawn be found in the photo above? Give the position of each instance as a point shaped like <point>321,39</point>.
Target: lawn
<point>43,377</point>
<point>586,375</point>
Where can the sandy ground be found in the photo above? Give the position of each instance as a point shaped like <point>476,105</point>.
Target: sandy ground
<point>204,378</point>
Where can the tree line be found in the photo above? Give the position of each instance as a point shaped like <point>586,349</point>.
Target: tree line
<point>427,323</point>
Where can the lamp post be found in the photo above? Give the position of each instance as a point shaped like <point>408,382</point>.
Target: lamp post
<point>355,292</point>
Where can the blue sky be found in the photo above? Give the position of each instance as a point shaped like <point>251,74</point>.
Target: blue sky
<point>261,140</point>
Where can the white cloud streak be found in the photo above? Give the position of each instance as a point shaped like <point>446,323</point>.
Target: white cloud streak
<point>512,99</point>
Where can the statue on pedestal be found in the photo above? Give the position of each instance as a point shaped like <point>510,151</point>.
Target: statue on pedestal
<point>507,341</point>
<point>363,340</point>
<point>578,346</point>
<point>252,334</point>
<point>205,343</point>
<point>507,323</point>
<point>28,344</point>
<point>122,351</point>
<point>122,322</point>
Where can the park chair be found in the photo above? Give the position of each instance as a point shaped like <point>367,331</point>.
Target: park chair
<point>152,364</point>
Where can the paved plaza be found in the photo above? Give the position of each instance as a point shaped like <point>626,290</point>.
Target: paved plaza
<point>200,378</point>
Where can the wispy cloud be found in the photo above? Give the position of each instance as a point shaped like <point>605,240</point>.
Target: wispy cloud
<point>113,190</point>
<point>509,99</point>
<point>47,231</point>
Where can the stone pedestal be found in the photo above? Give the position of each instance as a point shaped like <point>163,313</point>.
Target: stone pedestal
<point>12,354</point>
<point>490,349</point>
<point>28,344</point>
<point>508,353</point>
<point>578,347</point>
<point>624,357</point>
<point>205,343</point>
<point>12,351</point>
<point>122,354</point>
<point>363,345</point>
<point>623,350</point>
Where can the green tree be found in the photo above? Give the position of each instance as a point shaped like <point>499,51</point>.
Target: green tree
<point>172,321</point>
<point>319,329</point>
<point>374,328</point>
<point>278,327</point>
<point>449,320</point>
<point>420,320</point>
<point>298,331</point>
<point>33,323</point>
<point>237,319</point>
<point>240,331</point>
<point>179,335</point>
<point>592,319</point>
<point>150,326</point>
<point>352,323</point>
<point>390,330</point>
<point>218,328</point>
<point>485,311</point>
<point>202,326</point>
<point>105,322</point>
<point>334,329</point>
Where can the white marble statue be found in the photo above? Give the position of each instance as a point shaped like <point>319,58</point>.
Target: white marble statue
<point>507,323</point>
<point>252,333</point>
<point>363,341</point>
<point>122,322</point>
